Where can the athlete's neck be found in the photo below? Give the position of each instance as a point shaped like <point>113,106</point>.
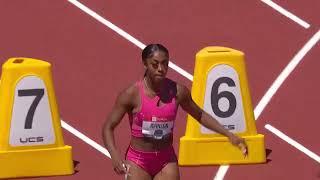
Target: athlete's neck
<point>153,87</point>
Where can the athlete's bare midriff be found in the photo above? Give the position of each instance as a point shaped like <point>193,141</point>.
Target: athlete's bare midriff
<point>150,144</point>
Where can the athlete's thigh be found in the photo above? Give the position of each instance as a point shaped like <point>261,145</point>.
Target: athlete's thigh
<point>137,173</point>
<point>169,172</point>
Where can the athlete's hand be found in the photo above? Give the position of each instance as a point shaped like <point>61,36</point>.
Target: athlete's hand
<point>118,164</point>
<point>237,141</point>
<point>127,167</point>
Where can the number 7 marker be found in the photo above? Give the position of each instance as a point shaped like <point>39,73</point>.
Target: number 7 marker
<point>30,123</point>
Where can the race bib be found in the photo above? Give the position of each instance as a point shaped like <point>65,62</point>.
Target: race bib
<point>156,129</point>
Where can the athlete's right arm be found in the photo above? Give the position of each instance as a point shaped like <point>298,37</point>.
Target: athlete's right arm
<point>122,105</point>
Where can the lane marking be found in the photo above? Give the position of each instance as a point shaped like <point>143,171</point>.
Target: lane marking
<point>287,13</point>
<point>125,35</point>
<point>285,73</point>
<point>221,172</point>
<point>274,88</point>
<point>292,142</point>
<point>108,23</point>
<point>85,138</point>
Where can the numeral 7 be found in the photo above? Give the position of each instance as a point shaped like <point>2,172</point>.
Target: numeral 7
<point>31,92</point>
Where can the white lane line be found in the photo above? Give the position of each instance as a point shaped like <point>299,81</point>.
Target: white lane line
<point>221,172</point>
<point>293,142</point>
<point>108,24</point>
<point>124,34</point>
<point>85,138</point>
<point>274,87</point>
<point>285,73</point>
<point>181,71</point>
<point>287,13</point>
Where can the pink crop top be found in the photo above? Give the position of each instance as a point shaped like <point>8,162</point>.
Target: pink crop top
<point>152,120</point>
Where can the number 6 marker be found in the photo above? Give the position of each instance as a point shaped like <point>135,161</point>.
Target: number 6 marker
<point>220,87</point>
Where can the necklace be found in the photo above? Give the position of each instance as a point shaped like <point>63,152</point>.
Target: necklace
<point>146,84</point>
<point>154,93</point>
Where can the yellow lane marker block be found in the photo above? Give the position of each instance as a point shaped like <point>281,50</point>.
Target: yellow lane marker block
<point>31,141</point>
<point>220,87</point>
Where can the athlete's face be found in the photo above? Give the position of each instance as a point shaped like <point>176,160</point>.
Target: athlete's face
<point>157,66</point>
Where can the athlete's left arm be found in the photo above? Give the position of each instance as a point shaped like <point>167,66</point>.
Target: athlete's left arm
<point>187,103</point>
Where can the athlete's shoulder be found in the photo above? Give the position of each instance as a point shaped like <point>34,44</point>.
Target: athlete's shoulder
<point>127,95</point>
<point>183,92</point>
<point>131,90</point>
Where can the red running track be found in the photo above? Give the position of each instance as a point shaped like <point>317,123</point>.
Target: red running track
<point>92,63</point>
